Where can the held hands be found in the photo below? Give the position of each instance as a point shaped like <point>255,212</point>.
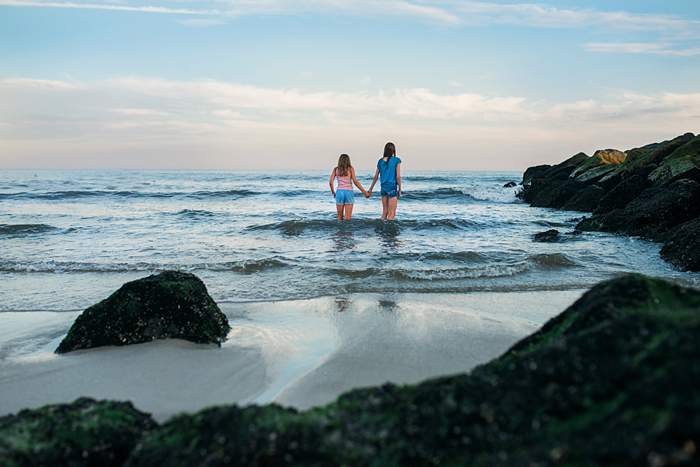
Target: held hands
<point>368,194</point>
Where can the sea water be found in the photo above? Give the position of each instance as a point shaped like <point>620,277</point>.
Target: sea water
<point>70,238</point>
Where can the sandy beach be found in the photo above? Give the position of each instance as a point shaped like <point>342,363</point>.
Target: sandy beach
<point>297,353</point>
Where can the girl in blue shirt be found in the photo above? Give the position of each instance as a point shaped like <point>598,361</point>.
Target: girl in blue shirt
<point>389,170</point>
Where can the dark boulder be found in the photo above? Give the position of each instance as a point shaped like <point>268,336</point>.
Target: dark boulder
<point>586,199</point>
<point>600,164</point>
<point>167,305</point>
<point>611,381</point>
<point>624,192</point>
<point>653,154</point>
<point>653,213</point>
<point>548,236</point>
<point>86,432</point>
<point>510,185</point>
<point>682,246</point>
<point>684,162</point>
<point>534,172</point>
<point>552,187</point>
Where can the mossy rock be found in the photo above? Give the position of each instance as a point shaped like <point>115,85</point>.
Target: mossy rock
<point>84,433</point>
<point>682,162</point>
<point>168,305</point>
<point>611,381</point>
<point>682,247</point>
<point>653,213</point>
<point>600,164</point>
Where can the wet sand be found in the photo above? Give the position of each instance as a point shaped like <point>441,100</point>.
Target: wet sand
<point>299,353</point>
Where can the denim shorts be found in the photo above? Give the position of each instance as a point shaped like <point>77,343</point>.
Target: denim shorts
<point>344,197</point>
<point>390,190</point>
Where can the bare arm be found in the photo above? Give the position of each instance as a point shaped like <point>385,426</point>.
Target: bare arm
<point>330,183</point>
<point>356,182</point>
<point>374,182</point>
<point>398,178</point>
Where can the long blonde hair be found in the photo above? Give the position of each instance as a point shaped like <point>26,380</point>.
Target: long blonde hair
<point>344,165</point>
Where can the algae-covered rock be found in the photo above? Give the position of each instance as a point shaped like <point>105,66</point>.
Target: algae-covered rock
<point>551,187</point>
<point>682,247</point>
<point>652,213</point>
<point>600,164</point>
<point>586,199</point>
<point>167,305</point>
<point>84,433</point>
<point>611,381</point>
<point>258,436</point>
<point>683,162</point>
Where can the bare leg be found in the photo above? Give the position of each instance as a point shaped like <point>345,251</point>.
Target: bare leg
<point>339,208</point>
<point>348,211</point>
<point>385,207</point>
<point>392,205</point>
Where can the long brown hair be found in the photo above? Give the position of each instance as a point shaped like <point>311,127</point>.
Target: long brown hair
<point>344,165</point>
<point>389,150</point>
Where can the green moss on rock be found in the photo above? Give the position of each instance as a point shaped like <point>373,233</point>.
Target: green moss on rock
<point>611,381</point>
<point>84,433</point>
<point>167,305</point>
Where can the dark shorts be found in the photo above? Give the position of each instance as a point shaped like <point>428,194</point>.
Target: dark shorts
<point>390,190</point>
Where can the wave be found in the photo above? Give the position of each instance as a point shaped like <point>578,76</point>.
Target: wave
<point>12,230</point>
<point>242,267</point>
<point>438,194</point>
<point>194,214</point>
<point>299,226</point>
<point>553,260</point>
<point>83,194</point>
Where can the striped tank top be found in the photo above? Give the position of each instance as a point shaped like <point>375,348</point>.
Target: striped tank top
<point>344,182</point>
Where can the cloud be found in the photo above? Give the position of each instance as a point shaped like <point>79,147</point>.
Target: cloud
<point>235,8</point>
<point>151,122</point>
<point>110,7</point>
<point>443,11</point>
<point>538,15</point>
<point>652,48</point>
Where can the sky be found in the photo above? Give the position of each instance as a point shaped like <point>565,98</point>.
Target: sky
<point>291,84</point>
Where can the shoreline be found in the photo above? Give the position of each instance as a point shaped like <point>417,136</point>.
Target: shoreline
<point>301,353</point>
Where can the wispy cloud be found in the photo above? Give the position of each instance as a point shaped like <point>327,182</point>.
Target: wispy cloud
<point>144,118</point>
<point>538,15</point>
<point>673,35</point>
<point>445,11</point>
<point>235,8</point>
<point>111,7</point>
<point>652,48</point>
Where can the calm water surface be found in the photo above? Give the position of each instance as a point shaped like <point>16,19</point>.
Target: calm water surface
<point>69,238</point>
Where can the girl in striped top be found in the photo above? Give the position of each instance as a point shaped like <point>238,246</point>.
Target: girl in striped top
<point>344,196</point>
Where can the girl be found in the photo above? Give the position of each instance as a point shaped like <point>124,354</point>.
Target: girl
<point>389,168</point>
<point>344,197</point>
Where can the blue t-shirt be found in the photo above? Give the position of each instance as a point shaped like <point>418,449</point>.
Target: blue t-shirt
<point>387,170</point>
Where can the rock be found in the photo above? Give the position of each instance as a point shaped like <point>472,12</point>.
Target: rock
<point>611,381</point>
<point>683,162</point>
<point>548,236</point>
<point>552,187</point>
<point>534,172</point>
<point>167,305</point>
<point>654,154</point>
<point>623,193</point>
<point>647,158</point>
<point>586,199</point>
<point>682,246</point>
<point>85,432</point>
<point>653,213</point>
<point>600,164</point>
<point>510,185</point>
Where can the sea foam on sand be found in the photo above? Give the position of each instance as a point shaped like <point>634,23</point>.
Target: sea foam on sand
<point>299,353</point>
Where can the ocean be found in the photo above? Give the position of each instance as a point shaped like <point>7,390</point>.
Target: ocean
<point>70,238</point>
